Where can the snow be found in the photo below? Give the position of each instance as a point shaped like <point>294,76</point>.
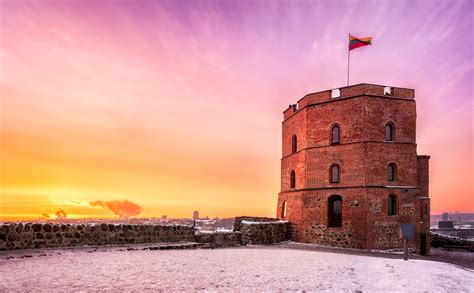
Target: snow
<point>254,268</point>
<point>218,231</point>
<point>260,223</point>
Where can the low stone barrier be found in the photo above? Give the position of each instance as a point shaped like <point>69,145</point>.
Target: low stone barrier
<point>263,230</point>
<point>247,230</point>
<point>450,242</point>
<point>238,221</point>
<point>24,236</point>
<point>219,239</point>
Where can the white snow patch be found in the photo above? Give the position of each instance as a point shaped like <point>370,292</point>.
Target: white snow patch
<point>218,231</point>
<point>259,223</point>
<point>234,269</point>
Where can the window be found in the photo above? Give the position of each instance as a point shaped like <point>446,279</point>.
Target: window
<point>392,172</point>
<point>294,144</point>
<point>392,205</point>
<point>335,135</point>
<point>426,209</point>
<point>292,179</point>
<point>283,209</point>
<point>335,211</point>
<point>334,174</point>
<point>389,128</point>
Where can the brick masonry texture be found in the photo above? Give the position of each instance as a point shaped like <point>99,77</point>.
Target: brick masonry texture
<point>361,113</point>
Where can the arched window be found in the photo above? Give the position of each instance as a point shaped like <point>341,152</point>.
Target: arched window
<point>392,172</point>
<point>334,174</point>
<point>283,209</point>
<point>392,205</point>
<point>335,211</point>
<point>292,179</point>
<point>389,129</point>
<point>335,135</point>
<point>294,144</point>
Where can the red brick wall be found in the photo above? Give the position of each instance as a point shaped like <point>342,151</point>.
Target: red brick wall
<point>363,155</point>
<point>294,162</point>
<point>295,125</point>
<point>379,155</point>
<point>385,229</point>
<point>321,118</point>
<point>314,218</point>
<point>351,91</point>
<point>366,223</point>
<point>349,158</point>
<point>423,174</point>
<point>380,111</point>
<point>423,184</point>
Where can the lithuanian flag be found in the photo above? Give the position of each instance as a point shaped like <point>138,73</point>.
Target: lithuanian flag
<point>358,42</point>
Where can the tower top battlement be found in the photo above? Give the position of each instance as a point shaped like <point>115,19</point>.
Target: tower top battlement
<point>362,89</point>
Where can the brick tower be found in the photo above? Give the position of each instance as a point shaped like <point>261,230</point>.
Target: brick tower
<point>350,173</point>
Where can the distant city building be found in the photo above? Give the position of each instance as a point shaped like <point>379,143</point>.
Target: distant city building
<point>195,215</point>
<point>350,172</point>
<point>164,217</point>
<point>445,225</point>
<point>445,216</point>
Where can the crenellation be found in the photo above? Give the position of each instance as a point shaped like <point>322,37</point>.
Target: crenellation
<point>352,91</point>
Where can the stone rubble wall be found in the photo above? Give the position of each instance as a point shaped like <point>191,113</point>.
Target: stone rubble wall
<point>252,230</point>
<point>238,221</point>
<point>219,239</point>
<point>439,240</point>
<point>27,236</point>
<point>267,231</point>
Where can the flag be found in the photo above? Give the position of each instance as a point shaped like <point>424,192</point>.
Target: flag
<point>358,42</point>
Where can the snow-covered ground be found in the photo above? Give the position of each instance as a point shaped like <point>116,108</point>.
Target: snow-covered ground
<point>232,269</point>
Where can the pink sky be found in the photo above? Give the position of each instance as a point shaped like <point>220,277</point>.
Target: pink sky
<point>177,105</point>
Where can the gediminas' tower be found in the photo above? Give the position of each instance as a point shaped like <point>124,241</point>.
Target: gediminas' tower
<point>350,173</point>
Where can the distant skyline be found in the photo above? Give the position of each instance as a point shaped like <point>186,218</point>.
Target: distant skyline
<point>176,106</point>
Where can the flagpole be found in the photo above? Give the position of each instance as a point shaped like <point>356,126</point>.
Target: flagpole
<point>348,59</point>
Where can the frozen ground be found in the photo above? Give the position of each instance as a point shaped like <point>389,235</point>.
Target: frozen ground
<point>232,269</point>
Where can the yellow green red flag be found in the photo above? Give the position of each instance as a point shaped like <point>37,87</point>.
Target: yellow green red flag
<point>358,42</point>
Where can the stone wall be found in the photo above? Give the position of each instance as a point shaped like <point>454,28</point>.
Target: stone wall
<point>444,241</point>
<point>262,230</point>
<point>238,221</point>
<point>219,239</point>
<point>250,230</point>
<point>25,236</point>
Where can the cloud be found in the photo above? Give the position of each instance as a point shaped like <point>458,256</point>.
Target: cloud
<point>61,214</point>
<point>123,209</point>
